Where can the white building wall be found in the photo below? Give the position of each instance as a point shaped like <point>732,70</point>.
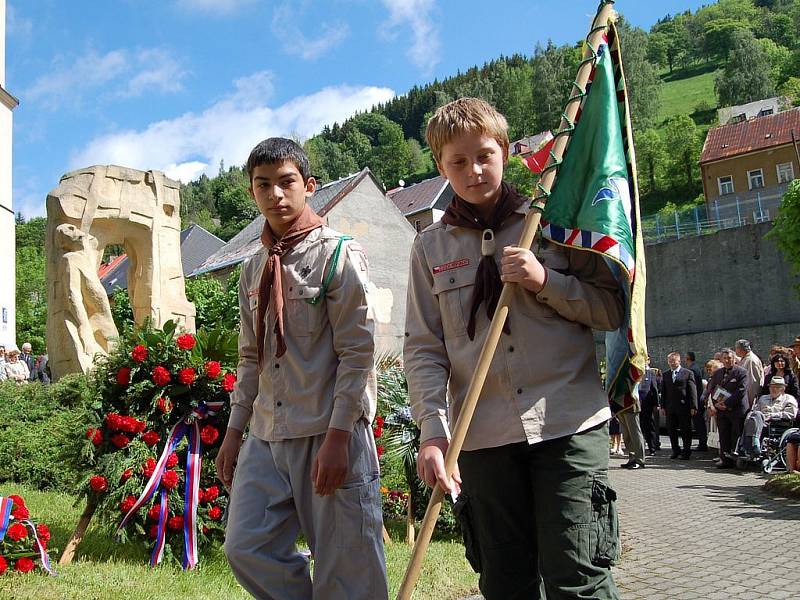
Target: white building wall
<point>7,244</point>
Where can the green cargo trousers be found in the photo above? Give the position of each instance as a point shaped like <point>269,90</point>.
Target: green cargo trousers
<point>540,521</point>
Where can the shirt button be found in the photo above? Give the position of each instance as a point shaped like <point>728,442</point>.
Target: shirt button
<point>277,365</point>
<point>511,348</point>
<point>279,403</point>
<point>452,280</point>
<point>407,334</point>
<point>519,390</point>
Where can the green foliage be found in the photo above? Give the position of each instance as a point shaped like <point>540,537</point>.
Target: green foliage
<point>520,176</point>
<point>40,425</point>
<point>31,234</point>
<point>121,311</point>
<point>554,70</point>
<point>651,155</point>
<point>786,229</point>
<point>683,140</point>
<point>746,77</point>
<point>791,90</point>
<point>31,297</point>
<point>217,304</point>
<point>644,86</point>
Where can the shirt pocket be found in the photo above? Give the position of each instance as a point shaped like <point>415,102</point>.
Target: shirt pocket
<point>302,318</point>
<point>454,291</point>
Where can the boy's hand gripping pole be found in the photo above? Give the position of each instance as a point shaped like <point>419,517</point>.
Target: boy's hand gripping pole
<point>599,27</point>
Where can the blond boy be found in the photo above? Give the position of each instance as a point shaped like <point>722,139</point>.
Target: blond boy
<point>535,506</point>
<point>306,388</point>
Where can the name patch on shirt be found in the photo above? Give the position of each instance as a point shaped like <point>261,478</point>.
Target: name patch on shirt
<point>454,264</point>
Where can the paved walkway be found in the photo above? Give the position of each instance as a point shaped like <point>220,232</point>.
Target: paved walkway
<point>692,531</point>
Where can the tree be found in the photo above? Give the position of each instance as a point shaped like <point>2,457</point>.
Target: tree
<point>791,90</point>
<point>683,146</point>
<point>31,233</point>
<point>786,228</point>
<point>644,85</point>
<point>746,77</point>
<point>778,57</point>
<point>671,38</point>
<point>720,36</point>
<point>650,158</point>
<point>553,72</point>
<point>417,160</point>
<point>520,176</point>
<point>31,297</point>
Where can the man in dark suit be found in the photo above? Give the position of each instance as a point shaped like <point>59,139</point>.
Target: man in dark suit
<point>648,399</point>
<point>728,397</point>
<point>699,419</point>
<point>679,403</point>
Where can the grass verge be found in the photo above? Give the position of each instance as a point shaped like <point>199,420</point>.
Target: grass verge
<point>785,484</point>
<point>104,570</point>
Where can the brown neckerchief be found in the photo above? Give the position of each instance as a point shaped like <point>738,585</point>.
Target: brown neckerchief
<point>487,278</point>
<point>270,289</point>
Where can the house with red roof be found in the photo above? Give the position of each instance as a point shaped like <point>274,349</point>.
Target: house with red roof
<point>423,203</point>
<point>749,164</point>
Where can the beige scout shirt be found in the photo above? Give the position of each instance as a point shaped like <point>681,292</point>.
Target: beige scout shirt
<point>326,378</point>
<point>543,381</point>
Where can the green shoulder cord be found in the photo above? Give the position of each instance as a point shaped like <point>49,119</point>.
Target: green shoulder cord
<point>331,272</point>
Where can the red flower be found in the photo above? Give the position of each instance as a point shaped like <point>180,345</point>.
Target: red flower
<point>98,483</point>
<point>153,532</point>
<point>170,479</point>
<point>17,532</point>
<point>379,422</point>
<point>124,376</point>
<point>17,500</point>
<point>228,381</point>
<point>175,523</point>
<point>126,474</point>
<point>210,494</point>
<point>378,432</point>
<point>20,513</point>
<point>127,504</point>
<point>380,451</point>
<point>172,460</point>
<point>120,440</point>
<point>150,438</point>
<point>3,565</point>
<point>215,513</point>
<point>213,369</point>
<point>186,341</point>
<point>187,376</point>
<point>148,467</point>
<point>161,376</point>
<point>24,565</point>
<point>133,425</point>
<point>43,531</point>
<point>113,421</point>
<point>209,434</point>
<point>205,532</point>
<point>94,434</point>
<point>164,405</point>
<point>139,354</point>
<point>154,512</point>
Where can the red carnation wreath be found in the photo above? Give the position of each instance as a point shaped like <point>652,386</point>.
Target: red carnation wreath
<point>23,543</point>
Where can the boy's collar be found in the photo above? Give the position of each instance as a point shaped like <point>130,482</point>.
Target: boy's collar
<point>522,209</point>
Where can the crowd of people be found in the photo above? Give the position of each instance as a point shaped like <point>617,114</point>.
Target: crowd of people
<point>23,366</point>
<point>736,395</point>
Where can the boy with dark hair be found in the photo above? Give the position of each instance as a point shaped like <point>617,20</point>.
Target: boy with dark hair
<point>306,387</point>
<point>534,505</point>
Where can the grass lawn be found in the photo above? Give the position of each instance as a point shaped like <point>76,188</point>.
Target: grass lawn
<point>684,90</point>
<point>104,571</point>
<point>785,484</point>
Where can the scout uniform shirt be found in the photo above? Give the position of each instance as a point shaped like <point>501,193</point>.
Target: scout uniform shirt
<point>543,381</point>
<point>326,378</point>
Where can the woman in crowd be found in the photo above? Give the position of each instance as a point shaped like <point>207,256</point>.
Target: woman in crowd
<point>780,366</point>
<point>16,370</point>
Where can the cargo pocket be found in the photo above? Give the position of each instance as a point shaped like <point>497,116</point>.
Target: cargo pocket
<point>358,514</point>
<point>604,539</point>
<point>463,512</point>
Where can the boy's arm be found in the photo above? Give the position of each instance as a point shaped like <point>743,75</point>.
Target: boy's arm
<point>425,357</point>
<point>246,389</point>
<point>353,338</point>
<point>588,293</point>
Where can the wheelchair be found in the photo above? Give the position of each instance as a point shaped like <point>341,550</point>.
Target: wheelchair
<point>772,445</point>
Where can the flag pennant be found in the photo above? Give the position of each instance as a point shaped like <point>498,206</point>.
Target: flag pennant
<point>595,206</point>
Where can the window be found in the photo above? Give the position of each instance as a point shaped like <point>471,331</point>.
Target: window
<point>725,185</point>
<point>785,172</point>
<point>418,225</point>
<point>755,179</point>
<point>738,118</point>
<point>765,112</point>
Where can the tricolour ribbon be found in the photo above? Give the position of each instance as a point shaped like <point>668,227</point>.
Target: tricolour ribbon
<point>43,557</point>
<point>5,515</point>
<point>188,428</point>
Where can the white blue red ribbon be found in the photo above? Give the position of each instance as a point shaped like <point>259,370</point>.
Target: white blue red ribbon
<point>188,428</point>
<point>5,515</point>
<point>43,557</point>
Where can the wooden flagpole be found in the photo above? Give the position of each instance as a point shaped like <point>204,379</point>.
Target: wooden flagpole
<point>599,27</point>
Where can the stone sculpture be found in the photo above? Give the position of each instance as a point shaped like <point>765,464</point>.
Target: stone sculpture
<point>90,209</point>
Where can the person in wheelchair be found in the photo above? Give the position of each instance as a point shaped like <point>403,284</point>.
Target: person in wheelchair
<point>772,407</point>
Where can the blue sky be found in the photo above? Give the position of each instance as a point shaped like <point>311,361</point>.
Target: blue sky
<point>178,85</point>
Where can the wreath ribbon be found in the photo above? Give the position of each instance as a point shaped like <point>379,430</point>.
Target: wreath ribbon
<point>5,518</point>
<point>185,428</point>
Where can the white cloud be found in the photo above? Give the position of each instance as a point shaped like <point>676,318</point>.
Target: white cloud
<point>227,130</point>
<point>118,72</point>
<point>17,25</point>
<point>425,46</point>
<point>325,37</point>
<point>213,6</point>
